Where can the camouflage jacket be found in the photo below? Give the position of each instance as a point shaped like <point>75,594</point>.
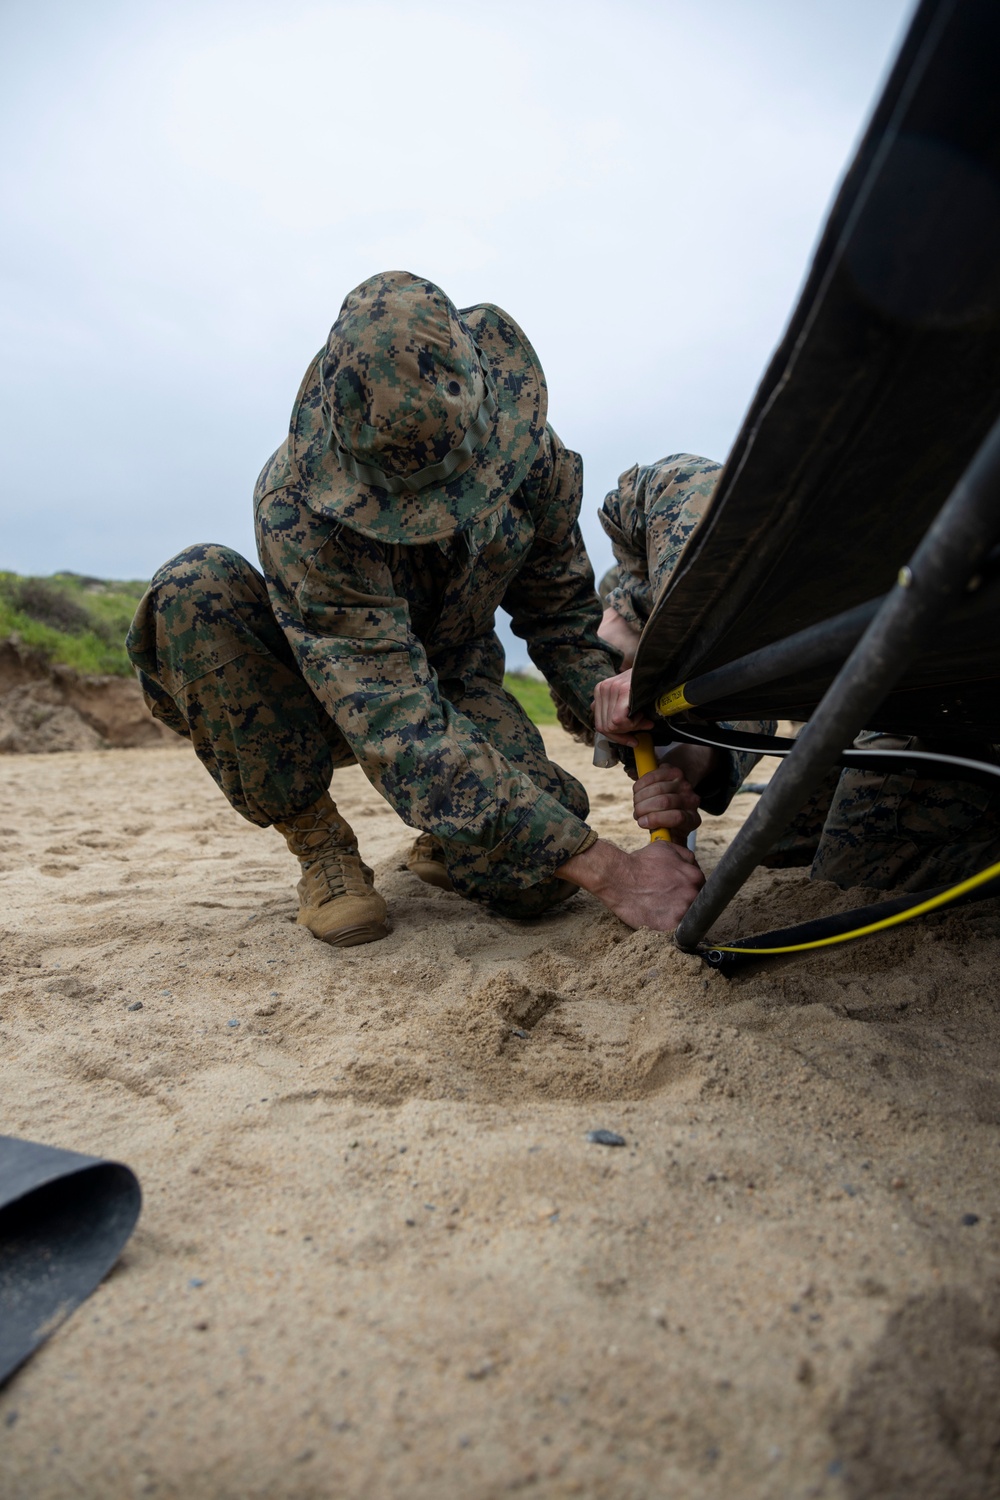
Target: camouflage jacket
<point>377,628</point>
<point>649,520</point>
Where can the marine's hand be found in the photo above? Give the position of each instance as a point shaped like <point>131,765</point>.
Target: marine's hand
<point>652,887</point>
<point>695,761</point>
<point>611,716</point>
<point>665,799</point>
<point>619,633</point>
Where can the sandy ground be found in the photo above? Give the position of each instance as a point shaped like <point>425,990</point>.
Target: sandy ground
<point>378,1256</point>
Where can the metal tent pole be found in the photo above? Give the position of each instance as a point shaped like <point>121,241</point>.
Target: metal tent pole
<point>829,640</point>
<point>951,552</point>
<point>826,641</point>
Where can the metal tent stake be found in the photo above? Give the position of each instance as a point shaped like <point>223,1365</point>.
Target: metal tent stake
<point>950,554</point>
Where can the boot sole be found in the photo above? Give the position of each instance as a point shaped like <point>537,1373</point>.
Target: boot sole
<point>432,875</point>
<point>352,937</point>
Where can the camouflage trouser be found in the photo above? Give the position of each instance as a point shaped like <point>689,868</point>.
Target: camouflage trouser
<point>215,666</point>
<point>902,831</point>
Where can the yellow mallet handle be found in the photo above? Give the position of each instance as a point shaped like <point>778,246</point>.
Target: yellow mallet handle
<point>645,760</point>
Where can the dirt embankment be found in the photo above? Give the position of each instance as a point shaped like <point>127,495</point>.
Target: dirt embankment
<point>46,708</point>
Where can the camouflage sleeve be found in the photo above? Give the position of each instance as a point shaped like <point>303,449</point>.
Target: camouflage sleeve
<point>352,639</point>
<point>553,603</point>
<point>623,517</point>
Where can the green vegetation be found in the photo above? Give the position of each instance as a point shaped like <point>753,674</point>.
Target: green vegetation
<point>81,622</point>
<point>533,696</point>
<point>72,620</point>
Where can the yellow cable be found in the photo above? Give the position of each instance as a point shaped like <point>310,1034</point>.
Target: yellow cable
<point>645,760</point>
<point>894,921</point>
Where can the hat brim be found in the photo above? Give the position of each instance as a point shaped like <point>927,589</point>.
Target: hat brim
<point>441,510</point>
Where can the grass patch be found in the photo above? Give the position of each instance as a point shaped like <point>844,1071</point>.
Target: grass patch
<point>533,696</point>
<point>81,622</point>
<point>73,620</point>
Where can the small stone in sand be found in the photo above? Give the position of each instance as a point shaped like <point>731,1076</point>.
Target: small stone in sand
<point>516,1031</point>
<point>136,1005</point>
<point>969,1219</point>
<point>605,1138</point>
<point>232,1023</point>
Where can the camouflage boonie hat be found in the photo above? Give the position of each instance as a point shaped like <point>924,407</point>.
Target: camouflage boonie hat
<point>416,420</point>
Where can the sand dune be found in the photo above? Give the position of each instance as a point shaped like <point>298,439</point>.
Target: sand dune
<point>378,1255</point>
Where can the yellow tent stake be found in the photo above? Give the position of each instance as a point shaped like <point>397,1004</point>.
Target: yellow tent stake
<point>645,760</point>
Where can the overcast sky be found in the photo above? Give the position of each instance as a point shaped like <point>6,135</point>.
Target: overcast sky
<point>190,187</point>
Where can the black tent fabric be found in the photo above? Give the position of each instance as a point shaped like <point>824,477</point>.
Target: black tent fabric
<point>879,395</point>
<point>64,1220</point>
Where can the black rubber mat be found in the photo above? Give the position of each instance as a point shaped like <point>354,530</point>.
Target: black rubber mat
<point>882,389</point>
<point>64,1220</point>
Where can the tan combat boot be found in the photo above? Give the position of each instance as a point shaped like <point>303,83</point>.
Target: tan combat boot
<point>338,901</point>
<point>426,861</point>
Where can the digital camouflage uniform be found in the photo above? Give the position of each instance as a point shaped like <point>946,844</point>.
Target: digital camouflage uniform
<point>357,646</point>
<point>905,831</point>
<point>650,518</point>
<point>895,831</point>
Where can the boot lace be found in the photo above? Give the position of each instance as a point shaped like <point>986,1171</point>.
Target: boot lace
<point>329,863</point>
